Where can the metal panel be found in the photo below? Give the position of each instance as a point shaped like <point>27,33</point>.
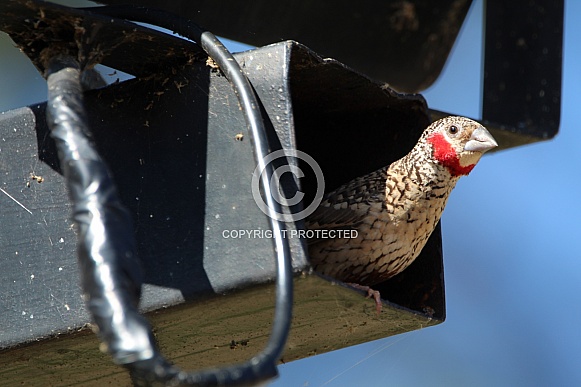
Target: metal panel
<point>522,68</point>
<point>158,145</point>
<point>404,43</point>
<point>171,141</point>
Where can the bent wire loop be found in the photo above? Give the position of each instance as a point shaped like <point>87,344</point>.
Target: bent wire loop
<point>110,270</point>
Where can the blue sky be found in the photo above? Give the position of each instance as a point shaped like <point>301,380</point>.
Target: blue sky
<point>512,252</point>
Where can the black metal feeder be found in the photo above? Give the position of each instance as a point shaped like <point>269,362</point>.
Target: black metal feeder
<point>177,145</point>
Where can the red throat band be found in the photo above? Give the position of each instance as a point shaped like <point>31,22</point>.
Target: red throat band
<point>446,155</point>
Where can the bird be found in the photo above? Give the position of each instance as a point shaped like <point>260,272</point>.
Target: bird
<point>393,211</point>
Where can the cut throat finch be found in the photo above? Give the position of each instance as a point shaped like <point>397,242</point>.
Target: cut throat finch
<point>395,209</point>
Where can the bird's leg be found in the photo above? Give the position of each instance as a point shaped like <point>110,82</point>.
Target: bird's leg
<point>370,293</point>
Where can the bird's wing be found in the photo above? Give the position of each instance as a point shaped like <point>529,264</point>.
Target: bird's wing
<point>329,218</point>
<point>345,207</point>
<point>368,189</point>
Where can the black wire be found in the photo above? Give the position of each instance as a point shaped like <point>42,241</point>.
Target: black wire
<point>108,259</point>
<point>110,273</point>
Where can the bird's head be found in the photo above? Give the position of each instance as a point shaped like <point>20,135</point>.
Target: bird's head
<point>458,143</point>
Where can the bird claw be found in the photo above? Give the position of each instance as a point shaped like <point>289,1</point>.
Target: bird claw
<point>377,297</point>
<point>370,293</point>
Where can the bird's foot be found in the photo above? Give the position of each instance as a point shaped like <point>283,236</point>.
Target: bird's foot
<point>370,293</point>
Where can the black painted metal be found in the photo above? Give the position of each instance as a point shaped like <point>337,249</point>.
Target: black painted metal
<point>171,141</point>
<point>181,172</point>
<point>522,66</point>
<point>36,25</point>
<point>404,43</point>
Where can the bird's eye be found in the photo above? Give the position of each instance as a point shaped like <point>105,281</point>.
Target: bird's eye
<point>453,129</point>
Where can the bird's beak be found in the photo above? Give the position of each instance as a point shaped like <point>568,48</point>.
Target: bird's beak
<point>480,141</point>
